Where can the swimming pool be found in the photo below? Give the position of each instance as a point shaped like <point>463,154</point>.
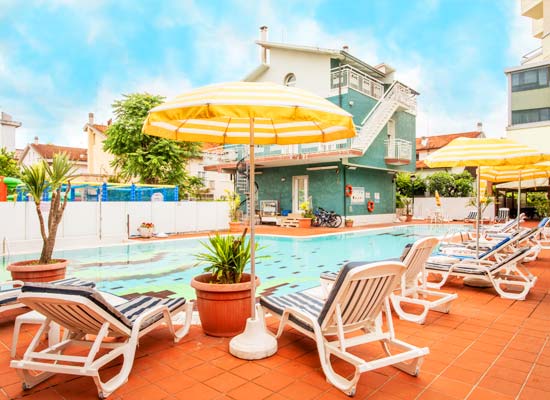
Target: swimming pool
<point>166,267</point>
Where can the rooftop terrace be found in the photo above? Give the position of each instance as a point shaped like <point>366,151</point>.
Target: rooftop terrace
<point>486,348</point>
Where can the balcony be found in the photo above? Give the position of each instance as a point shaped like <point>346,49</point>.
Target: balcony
<point>532,8</point>
<point>538,28</point>
<point>398,152</point>
<point>346,76</point>
<point>533,56</point>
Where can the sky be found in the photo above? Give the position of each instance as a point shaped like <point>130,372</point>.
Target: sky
<point>61,59</point>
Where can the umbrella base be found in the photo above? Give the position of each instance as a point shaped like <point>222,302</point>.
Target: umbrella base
<point>477,282</point>
<point>254,343</point>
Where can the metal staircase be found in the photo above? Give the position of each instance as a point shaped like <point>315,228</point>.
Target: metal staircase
<point>242,183</point>
<point>397,97</point>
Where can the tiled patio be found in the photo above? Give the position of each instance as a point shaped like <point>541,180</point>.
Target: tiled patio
<point>486,348</point>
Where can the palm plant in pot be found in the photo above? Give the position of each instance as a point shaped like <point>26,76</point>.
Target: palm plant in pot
<point>224,290</point>
<point>234,202</point>
<point>38,179</point>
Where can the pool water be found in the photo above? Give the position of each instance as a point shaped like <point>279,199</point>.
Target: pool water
<point>165,268</point>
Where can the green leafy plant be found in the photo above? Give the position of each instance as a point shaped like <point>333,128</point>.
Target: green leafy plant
<point>226,257</point>
<point>234,202</point>
<point>40,177</point>
<point>484,202</point>
<point>8,164</point>
<point>307,212</point>
<point>407,205</point>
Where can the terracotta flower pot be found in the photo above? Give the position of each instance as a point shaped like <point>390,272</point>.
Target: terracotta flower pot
<point>223,308</point>
<point>304,222</point>
<point>236,226</point>
<point>28,271</point>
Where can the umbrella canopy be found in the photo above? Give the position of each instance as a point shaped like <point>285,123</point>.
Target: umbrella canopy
<point>468,152</point>
<point>250,113</point>
<point>222,114</point>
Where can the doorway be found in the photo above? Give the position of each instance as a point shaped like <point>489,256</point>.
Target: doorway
<point>299,191</point>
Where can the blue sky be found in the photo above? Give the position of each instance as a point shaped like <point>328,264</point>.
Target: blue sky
<point>60,59</point>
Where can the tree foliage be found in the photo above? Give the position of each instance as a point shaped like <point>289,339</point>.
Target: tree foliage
<point>151,159</point>
<point>451,185</point>
<point>406,186</point>
<point>8,164</point>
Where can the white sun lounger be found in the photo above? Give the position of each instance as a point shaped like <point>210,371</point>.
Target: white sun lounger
<point>82,312</point>
<point>506,276</point>
<point>354,305</point>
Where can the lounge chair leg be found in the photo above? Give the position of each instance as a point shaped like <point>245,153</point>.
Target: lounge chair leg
<point>31,380</point>
<point>416,318</point>
<point>412,366</point>
<point>104,390</point>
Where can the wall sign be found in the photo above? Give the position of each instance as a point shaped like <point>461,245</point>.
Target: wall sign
<point>377,197</point>
<point>358,195</point>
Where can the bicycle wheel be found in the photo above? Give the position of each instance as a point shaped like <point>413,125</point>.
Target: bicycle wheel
<point>335,221</point>
<point>316,221</point>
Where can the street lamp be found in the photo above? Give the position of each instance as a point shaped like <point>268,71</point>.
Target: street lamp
<point>413,177</point>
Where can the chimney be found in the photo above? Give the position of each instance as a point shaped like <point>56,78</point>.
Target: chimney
<point>424,141</point>
<point>345,47</point>
<point>36,140</point>
<point>479,127</point>
<point>91,118</point>
<point>263,50</point>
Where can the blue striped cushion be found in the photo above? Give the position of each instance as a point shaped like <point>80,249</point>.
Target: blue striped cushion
<point>299,300</point>
<point>134,308</point>
<point>67,281</point>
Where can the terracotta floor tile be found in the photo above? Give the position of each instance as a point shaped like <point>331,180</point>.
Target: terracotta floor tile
<point>300,391</point>
<point>507,373</point>
<point>487,394</point>
<point>198,391</point>
<point>450,387</point>
<point>249,371</point>
<point>149,392</point>
<point>529,393</point>
<point>204,372</point>
<point>500,385</point>
<point>274,380</point>
<point>293,369</point>
<point>174,384</point>
<point>250,391</point>
<point>225,382</point>
<point>462,374</point>
<point>431,394</point>
<point>401,390</point>
<point>227,362</point>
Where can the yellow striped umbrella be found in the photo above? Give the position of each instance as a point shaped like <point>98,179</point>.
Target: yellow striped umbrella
<point>515,173</point>
<point>437,199</point>
<point>468,152</point>
<point>255,114</point>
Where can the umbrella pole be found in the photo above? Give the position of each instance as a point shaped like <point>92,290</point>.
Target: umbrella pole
<point>255,342</point>
<point>519,198</point>
<point>478,203</point>
<point>252,222</point>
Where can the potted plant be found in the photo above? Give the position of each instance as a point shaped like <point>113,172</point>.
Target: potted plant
<point>234,202</point>
<point>407,204</point>
<point>307,215</point>
<point>146,229</point>
<point>38,179</point>
<point>348,222</point>
<point>224,291</point>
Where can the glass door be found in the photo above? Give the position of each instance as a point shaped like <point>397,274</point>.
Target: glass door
<point>299,191</point>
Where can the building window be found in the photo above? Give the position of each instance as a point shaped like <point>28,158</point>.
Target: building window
<point>531,79</point>
<point>290,80</point>
<point>528,116</point>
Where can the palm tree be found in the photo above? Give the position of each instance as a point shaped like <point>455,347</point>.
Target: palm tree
<point>40,177</point>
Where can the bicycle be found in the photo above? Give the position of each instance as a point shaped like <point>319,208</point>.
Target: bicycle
<point>326,218</point>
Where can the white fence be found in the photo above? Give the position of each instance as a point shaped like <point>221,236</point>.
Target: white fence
<point>91,223</point>
<point>455,208</point>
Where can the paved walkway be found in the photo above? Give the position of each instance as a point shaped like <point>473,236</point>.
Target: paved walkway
<point>486,348</point>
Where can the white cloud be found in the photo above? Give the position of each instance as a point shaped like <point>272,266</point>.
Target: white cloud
<point>519,33</point>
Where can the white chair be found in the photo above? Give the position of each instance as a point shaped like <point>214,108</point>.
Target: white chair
<point>413,288</point>
<point>509,277</point>
<point>503,214</point>
<point>82,312</point>
<point>354,306</point>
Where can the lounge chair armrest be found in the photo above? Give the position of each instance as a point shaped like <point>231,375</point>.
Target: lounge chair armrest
<point>15,283</point>
<point>147,314</point>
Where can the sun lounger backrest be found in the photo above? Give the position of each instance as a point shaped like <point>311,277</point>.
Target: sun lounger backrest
<point>360,291</point>
<point>543,222</point>
<point>80,309</point>
<point>514,257</point>
<point>417,256</point>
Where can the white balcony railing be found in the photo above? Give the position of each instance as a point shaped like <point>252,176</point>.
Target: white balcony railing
<point>347,76</point>
<point>398,149</point>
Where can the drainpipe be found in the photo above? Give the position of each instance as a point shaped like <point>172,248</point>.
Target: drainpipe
<point>344,192</point>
